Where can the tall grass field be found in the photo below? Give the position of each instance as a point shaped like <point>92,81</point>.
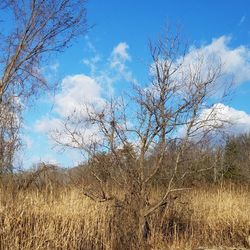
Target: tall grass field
<point>63,218</point>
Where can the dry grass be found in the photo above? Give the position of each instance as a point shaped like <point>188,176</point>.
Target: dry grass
<point>213,216</point>
<point>66,219</point>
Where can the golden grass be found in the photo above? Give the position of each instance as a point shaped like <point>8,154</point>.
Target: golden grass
<point>66,219</point>
<point>213,216</point>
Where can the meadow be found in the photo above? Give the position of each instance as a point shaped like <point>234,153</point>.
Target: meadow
<point>64,218</point>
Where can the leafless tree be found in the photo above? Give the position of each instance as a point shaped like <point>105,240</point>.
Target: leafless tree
<point>37,29</point>
<point>9,134</point>
<point>172,108</point>
<point>40,28</point>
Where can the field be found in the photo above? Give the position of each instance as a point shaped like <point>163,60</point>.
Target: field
<point>63,218</point>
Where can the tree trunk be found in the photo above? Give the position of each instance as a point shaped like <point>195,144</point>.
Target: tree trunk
<point>143,233</point>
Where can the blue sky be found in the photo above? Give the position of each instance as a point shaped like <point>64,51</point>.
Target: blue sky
<point>114,53</point>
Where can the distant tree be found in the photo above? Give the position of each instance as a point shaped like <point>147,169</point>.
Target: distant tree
<point>236,158</point>
<point>231,158</point>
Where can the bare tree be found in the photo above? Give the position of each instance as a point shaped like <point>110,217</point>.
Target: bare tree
<point>38,29</point>
<point>172,108</point>
<point>9,134</point>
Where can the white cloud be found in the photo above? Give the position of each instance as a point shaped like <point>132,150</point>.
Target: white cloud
<point>77,91</point>
<point>45,124</point>
<point>114,69</point>
<point>118,59</point>
<point>235,61</point>
<point>120,52</point>
<point>216,61</point>
<point>233,121</point>
<point>218,118</point>
<point>238,121</point>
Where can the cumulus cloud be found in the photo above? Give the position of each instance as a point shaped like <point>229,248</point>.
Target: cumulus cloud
<point>77,91</point>
<point>235,61</point>
<point>229,120</point>
<point>216,62</point>
<point>236,121</point>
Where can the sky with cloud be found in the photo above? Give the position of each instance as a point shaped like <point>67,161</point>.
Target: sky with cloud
<point>114,54</point>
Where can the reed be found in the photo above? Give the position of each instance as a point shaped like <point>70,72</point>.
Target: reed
<point>63,218</point>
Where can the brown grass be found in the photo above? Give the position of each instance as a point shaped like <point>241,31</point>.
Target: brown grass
<point>66,219</point>
<point>213,216</point>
